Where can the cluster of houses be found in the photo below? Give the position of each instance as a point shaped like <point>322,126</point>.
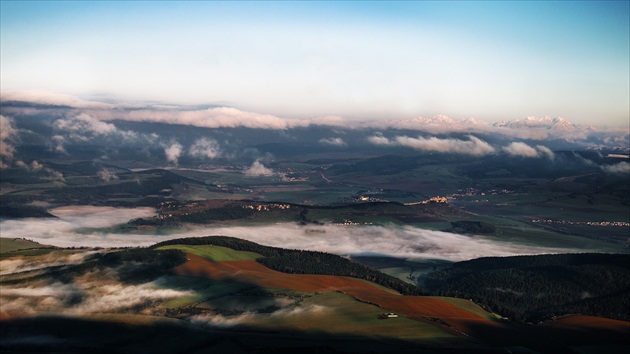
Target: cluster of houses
<point>267,207</point>
<point>432,200</point>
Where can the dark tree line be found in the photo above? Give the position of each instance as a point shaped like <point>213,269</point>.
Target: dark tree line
<point>302,262</point>
<point>23,211</point>
<point>533,288</point>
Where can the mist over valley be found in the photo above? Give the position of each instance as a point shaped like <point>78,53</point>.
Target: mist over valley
<point>315,177</point>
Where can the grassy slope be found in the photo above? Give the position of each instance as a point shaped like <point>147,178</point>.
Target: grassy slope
<point>468,306</point>
<point>335,312</point>
<point>215,253</point>
<point>14,244</point>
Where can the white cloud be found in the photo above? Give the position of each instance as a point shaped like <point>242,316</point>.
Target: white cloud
<point>51,98</point>
<point>57,144</point>
<point>8,136</point>
<point>97,293</point>
<point>85,124</point>
<point>545,151</point>
<point>220,117</point>
<point>520,149</point>
<point>618,168</point>
<point>205,147</point>
<point>217,320</point>
<point>34,166</point>
<point>379,140</point>
<point>107,175</point>
<point>13,265</point>
<point>258,169</point>
<point>472,146</point>
<point>332,141</point>
<point>173,152</point>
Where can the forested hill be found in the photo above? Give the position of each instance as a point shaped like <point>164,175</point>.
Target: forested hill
<point>301,262</point>
<point>533,288</point>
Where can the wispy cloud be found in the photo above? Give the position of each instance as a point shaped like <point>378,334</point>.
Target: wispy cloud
<point>205,147</point>
<point>107,175</point>
<point>620,168</point>
<point>85,127</point>
<point>84,124</point>
<point>521,149</point>
<point>57,144</point>
<point>35,166</point>
<point>99,292</point>
<point>8,137</point>
<point>332,141</point>
<point>472,146</point>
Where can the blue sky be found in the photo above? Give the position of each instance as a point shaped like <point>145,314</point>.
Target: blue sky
<point>363,60</point>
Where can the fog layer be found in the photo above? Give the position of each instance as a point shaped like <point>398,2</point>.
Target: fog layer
<point>69,229</point>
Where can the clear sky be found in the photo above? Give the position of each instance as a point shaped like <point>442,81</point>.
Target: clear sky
<point>366,60</point>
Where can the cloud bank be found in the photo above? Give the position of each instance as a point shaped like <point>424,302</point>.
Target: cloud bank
<point>96,293</point>
<point>392,241</point>
<point>528,128</point>
<point>473,146</point>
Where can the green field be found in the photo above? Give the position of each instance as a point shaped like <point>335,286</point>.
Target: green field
<point>338,313</point>
<point>215,253</point>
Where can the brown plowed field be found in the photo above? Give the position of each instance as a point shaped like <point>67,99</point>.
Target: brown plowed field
<point>256,273</point>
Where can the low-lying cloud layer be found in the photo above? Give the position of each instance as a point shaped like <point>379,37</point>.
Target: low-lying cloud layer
<point>221,321</point>
<point>94,293</point>
<point>69,230</point>
<point>15,265</point>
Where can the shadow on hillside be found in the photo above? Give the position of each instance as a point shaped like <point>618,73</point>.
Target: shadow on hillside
<point>72,335</point>
<point>546,339</point>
